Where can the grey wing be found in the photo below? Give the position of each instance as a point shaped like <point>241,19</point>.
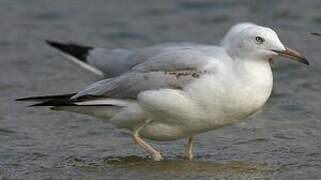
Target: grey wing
<point>111,62</point>
<point>115,62</point>
<point>171,69</point>
<point>99,61</point>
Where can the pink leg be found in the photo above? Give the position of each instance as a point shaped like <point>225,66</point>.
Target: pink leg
<point>154,153</point>
<point>188,149</point>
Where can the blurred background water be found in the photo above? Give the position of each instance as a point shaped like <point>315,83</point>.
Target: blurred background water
<point>282,141</point>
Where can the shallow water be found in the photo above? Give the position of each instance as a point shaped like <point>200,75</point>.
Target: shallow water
<point>282,141</point>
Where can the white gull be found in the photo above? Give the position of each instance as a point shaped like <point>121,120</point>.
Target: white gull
<point>174,91</point>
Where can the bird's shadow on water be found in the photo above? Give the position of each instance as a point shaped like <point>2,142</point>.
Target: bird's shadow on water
<point>187,167</point>
<point>128,166</point>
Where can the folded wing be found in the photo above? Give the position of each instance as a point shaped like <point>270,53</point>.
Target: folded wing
<point>172,69</point>
<point>112,62</point>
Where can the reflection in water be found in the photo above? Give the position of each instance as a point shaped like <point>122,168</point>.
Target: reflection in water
<point>181,167</point>
<point>129,166</point>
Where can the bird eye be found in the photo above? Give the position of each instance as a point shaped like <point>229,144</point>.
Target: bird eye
<point>259,39</point>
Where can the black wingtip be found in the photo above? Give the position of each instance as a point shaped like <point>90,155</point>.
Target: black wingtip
<point>52,103</point>
<point>54,44</point>
<point>316,34</point>
<point>46,98</point>
<point>78,51</point>
<point>27,99</point>
<point>20,99</point>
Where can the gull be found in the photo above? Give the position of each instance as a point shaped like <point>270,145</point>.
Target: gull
<point>174,91</point>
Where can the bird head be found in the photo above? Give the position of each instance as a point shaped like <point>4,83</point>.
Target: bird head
<point>251,41</point>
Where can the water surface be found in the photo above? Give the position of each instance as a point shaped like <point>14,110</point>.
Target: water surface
<point>282,141</point>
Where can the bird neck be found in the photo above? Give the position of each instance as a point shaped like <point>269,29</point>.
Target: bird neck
<point>255,83</point>
<point>258,70</point>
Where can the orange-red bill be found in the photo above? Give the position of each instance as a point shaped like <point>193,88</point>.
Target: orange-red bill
<point>293,55</point>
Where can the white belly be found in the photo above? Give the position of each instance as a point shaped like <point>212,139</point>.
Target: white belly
<point>183,115</point>
<point>205,104</point>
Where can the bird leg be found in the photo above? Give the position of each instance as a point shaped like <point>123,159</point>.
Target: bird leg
<point>154,153</point>
<point>188,149</point>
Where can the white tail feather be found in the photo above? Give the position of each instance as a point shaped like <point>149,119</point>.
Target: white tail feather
<point>105,112</point>
<point>99,102</point>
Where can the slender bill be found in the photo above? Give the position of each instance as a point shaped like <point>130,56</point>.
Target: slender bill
<point>293,55</point>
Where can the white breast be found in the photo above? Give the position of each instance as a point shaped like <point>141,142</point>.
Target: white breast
<point>214,100</point>
<point>231,95</point>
